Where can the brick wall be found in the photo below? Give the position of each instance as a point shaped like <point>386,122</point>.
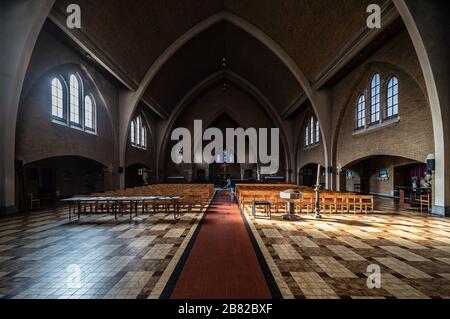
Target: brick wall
<point>411,137</point>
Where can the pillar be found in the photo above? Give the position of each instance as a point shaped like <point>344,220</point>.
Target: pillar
<point>20,24</point>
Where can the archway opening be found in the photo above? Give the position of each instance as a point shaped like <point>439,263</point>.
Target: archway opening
<point>54,178</point>
<point>308,175</point>
<point>387,176</point>
<point>136,175</point>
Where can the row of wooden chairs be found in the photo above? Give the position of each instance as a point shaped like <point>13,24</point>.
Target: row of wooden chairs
<point>191,197</point>
<point>330,202</point>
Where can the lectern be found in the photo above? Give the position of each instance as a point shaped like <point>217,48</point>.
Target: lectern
<point>290,195</point>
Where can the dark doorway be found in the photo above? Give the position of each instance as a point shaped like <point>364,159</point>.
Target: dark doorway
<point>308,175</point>
<point>60,177</point>
<point>136,175</point>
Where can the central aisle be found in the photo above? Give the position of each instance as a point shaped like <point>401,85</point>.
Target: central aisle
<point>222,263</point>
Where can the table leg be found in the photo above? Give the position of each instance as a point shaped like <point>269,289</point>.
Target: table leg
<point>176,209</point>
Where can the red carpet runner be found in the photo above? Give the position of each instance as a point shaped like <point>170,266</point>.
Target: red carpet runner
<point>222,263</point>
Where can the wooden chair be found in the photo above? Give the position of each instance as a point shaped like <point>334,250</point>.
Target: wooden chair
<point>306,203</point>
<point>354,204</point>
<point>367,203</point>
<point>342,203</point>
<point>328,202</point>
<point>425,201</point>
<point>33,201</point>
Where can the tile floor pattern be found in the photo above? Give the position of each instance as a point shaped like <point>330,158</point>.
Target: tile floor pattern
<point>42,255</point>
<point>329,258</point>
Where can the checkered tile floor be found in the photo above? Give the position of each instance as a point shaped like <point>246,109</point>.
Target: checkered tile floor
<point>43,255</point>
<point>330,258</point>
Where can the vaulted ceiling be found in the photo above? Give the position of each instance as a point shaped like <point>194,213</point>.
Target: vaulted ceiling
<point>224,47</point>
<point>129,36</point>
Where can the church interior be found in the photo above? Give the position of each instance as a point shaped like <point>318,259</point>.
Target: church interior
<point>94,206</point>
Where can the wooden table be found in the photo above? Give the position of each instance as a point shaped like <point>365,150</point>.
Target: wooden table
<point>76,203</point>
<point>411,193</point>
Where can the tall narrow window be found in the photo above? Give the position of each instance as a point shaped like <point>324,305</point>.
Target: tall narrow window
<point>138,130</point>
<point>312,132</point>
<point>74,100</point>
<point>392,97</point>
<point>375,94</point>
<point>317,131</point>
<point>143,143</point>
<point>57,99</point>
<point>89,114</point>
<point>133,132</point>
<point>307,136</point>
<point>138,134</point>
<point>361,112</point>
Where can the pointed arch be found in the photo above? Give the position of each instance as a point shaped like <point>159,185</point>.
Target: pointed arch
<point>205,85</point>
<point>130,100</point>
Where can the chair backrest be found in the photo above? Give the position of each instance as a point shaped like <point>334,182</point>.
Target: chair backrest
<point>366,199</point>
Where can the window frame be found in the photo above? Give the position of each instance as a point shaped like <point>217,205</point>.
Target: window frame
<point>133,132</point>
<point>84,92</point>
<point>361,116</point>
<point>79,100</point>
<point>138,133</point>
<point>393,98</point>
<point>63,84</point>
<point>92,129</point>
<point>317,128</point>
<point>312,132</point>
<point>306,136</point>
<point>375,99</point>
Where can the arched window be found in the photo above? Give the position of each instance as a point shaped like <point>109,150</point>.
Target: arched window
<point>392,97</point>
<point>138,134</point>
<point>57,99</point>
<point>72,105</point>
<point>361,112</point>
<point>307,135</point>
<point>138,130</point>
<point>143,136</point>
<point>317,131</point>
<point>74,93</point>
<point>133,132</point>
<point>312,132</point>
<point>89,113</point>
<point>375,95</point>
